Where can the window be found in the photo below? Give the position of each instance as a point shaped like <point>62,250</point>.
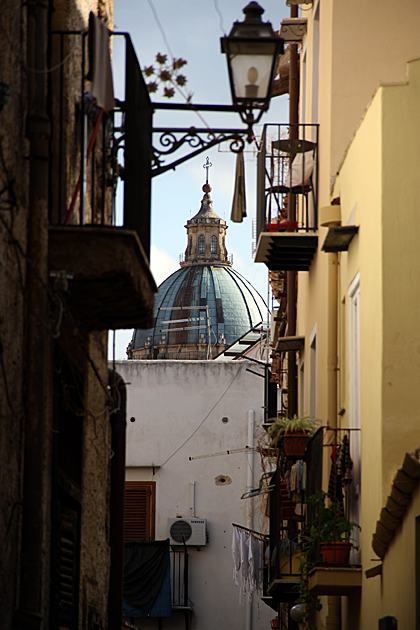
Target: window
<point>201,244</point>
<point>214,244</point>
<point>139,510</point>
<point>191,241</point>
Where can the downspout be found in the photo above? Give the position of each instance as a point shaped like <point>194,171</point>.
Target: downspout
<point>118,427</point>
<point>292,275</point>
<point>249,486</point>
<point>35,513</point>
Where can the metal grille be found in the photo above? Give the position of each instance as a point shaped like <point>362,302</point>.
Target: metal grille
<point>181,531</point>
<point>179,578</point>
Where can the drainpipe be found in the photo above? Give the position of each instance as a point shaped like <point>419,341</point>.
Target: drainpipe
<point>332,339</point>
<point>292,275</point>
<point>192,498</point>
<point>249,486</point>
<point>118,427</point>
<point>35,494</point>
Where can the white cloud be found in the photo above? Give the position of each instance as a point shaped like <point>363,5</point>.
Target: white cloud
<point>161,264</point>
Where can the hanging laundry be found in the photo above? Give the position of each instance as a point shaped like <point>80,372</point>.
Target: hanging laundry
<point>297,482</point>
<point>335,490</point>
<point>344,463</point>
<point>248,562</point>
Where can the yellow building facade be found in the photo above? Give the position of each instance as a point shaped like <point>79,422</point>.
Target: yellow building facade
<point>358,308</point>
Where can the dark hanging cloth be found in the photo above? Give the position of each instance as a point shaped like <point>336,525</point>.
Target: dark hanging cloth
<point>344,462</point>
<point>335,489</point>
<point>147,576</point>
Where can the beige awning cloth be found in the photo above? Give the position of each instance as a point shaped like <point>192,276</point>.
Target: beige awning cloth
<point>100,72</point>
<point>239,200</point>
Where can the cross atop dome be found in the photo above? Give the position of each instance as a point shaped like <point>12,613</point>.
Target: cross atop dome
<point>207,165</point>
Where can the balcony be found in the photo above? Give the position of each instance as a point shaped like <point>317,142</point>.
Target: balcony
<point>97,251</point>
<point>287,207</point>
<point>296,527</point>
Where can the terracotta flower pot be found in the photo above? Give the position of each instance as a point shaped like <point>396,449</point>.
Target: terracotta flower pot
<point>294,444</point>
<point>336,553</point>
<point>274,624</point>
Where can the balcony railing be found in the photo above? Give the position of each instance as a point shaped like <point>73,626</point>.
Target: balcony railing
<point>102,256</point>
<point>293,518</point>
<point>287,205</point>
<point>87,145</point>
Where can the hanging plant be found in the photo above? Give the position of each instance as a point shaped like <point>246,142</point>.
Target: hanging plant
<point>282,425</point>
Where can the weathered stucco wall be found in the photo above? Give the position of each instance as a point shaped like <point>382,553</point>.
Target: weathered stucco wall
<point>380,174</point>
<point>178,408</point>
<point>30,335</point>
<point>13,203</point>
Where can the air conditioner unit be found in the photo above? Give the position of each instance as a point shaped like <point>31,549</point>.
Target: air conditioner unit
<point>190,530</point>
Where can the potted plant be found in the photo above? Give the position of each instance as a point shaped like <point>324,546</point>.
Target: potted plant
<point>294,433</point>
<point>274,623</point>
<point>332,529</point>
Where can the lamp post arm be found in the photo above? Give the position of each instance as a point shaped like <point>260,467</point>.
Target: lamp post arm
<point>198,139</point>
<point>200,108</point>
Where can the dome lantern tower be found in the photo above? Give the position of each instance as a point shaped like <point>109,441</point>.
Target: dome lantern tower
<point>206,233</point>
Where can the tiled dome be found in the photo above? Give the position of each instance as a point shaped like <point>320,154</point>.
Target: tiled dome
<point>207,303</point>
<point>234,307</point>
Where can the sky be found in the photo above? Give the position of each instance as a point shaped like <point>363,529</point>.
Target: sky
<point>191,30</point>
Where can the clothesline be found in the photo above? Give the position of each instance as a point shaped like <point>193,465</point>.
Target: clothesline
<point>251,531</point>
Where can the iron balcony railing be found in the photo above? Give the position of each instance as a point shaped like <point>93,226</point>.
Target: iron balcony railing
<point>91,151</point>
<point>287,179</point>
<point>294,517</point>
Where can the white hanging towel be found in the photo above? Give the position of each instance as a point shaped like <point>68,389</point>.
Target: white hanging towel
<point>100,72</point>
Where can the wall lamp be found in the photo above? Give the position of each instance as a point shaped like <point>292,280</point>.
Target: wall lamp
<point>252,49</point>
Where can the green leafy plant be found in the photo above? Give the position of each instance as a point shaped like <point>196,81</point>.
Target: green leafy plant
<point>331,525</point>
<point>310,603</point>
<point>281,425</point>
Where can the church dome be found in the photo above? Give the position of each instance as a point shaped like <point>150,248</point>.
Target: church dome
<point>206,305</point>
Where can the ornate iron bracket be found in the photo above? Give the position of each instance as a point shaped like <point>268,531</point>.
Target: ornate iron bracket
<point>170,140</point>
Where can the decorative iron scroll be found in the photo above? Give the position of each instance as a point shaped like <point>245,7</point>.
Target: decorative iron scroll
<point>170,140</point>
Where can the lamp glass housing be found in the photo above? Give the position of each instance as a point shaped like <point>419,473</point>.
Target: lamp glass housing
<point>252,50</point>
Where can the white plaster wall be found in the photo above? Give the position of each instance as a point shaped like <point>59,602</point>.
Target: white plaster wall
<point>178,408</point>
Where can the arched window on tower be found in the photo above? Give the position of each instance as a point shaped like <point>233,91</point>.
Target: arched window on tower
<point>201,244</point>
<point>190,245</point>
<point>214,244</point>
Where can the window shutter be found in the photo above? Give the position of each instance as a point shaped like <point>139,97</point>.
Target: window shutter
<point>139,511</point>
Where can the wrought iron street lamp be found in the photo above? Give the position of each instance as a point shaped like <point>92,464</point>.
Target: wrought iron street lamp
<point>252,49</point>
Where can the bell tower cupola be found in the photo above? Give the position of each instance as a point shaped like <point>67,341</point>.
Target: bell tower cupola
<point>206,233</point>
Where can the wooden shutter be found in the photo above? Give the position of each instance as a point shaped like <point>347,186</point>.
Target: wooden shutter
<point>139,511</point>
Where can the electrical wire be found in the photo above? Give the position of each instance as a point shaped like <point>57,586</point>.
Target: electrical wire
<point>204,419</point>
<point>219,13</point>
<point>162,30</point>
